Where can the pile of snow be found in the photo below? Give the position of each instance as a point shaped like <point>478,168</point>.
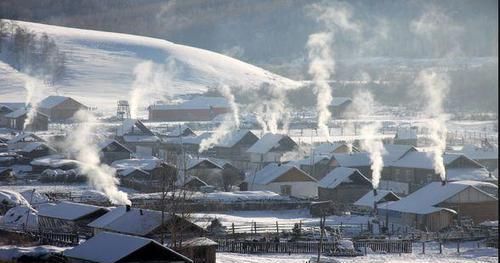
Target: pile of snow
<point>12,198</point>
<point>481,252</point>
<point>12,253</point>
<point>99,61</point>
<point>489,223</point>
<point>20,217</point>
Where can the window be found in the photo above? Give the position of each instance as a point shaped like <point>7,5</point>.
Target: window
<point>286,189</point>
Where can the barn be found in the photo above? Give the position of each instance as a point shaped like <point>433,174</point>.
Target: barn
<point>343,185</point>
<point>60,108</point>
<point>197,109</point>
<point>283,179</point>
<point>17,118</point>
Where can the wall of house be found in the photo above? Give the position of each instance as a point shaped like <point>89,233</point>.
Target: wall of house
<point>63,111</point>
<point>298,189</point>
<point>186,114</point>
<point>344,193</point>
<point>109,157</point>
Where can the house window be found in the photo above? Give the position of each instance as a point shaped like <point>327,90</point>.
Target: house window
<point>397,171</point>
<point>286,189</point>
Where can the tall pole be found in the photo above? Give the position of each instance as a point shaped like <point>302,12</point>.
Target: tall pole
<point>163,195</point>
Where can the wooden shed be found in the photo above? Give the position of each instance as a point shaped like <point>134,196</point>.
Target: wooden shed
<point>199,249</point>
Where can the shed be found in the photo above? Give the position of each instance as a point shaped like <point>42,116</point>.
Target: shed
<point>199,249</point>
<point>108,247</point>
<point>339,106</point>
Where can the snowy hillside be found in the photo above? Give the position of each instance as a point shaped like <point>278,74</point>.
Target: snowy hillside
<point>100,68</point>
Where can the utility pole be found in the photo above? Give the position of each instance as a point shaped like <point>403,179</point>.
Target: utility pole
<point>322,229</point>
<point>163,197</point>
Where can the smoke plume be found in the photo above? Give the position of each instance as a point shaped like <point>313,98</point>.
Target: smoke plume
<point>231,122</point>
<point>321,57</point>
<point>149,84</point>
<point>364,103</point>
<point>435,87</point>
<point>270,108</point>
<point>100,176</point>
<point>35,90</point>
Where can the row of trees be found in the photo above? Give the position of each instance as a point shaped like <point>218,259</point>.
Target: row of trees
<point>31,53</point>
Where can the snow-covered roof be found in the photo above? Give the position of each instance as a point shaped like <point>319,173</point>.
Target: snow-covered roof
<point>127,171</point>
<point>29,147</point>
<point>337,101</point>
<point>329,147</point>
<point>395,151</point>
<point>370,198</point>
<point>17,113</point>
<point>199,241</point>
<point>479,174</point>
<point>140,138</point>
<point>108,247</point>
<point>132,222</point>
<point>133,127</point>
<point>423,160</point>
<point>144,164</point>
<point>203,162</point>
<point>105,143</point>
<point>69,210</point>
<point>13,105</point>
<point>52,101</point>
<point>35,197</point>
<point>480,153</point>
<point>310,160</point>
<point>25,135</point>
<point>199,102</point>
<point>12,198</point>
<point>425,199</point>
<point>232,138</point>
<point>340,175</point>
<point>194,140</point>
<point>272,172</point>
<point>180,131</point>
<point>356,159</point>
<point>406,134</point>
<point>268,142</point>
<point>54,161</point>
<point>20,217</point>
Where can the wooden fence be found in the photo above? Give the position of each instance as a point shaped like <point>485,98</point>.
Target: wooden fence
<point>305,247</point>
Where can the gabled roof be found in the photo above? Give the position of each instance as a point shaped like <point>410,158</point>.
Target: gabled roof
<point>17,113</point>
<point>356,159</point>
<point>103,144</point>
<point>199,102</point>
<point>395,152</point>
<point>329,148</point>
<point>203,163</point>
<point>130,126</point>
<point>25,135</point>
<point>341,175</point>
<point>199,241</point>
<point>273,171</point>
<point>69,210</point>
<point>52,101</point>
<point>108,247</point>
<point>13,105</point>
<point>270,141</point>
<point>35,145</point>
<point>310,160</point>
<point>370,198</point>
<point>144,164</point>
<point>480,153</point>
<point>231,138</point>
<point>127,171</point>
<point>180,131</point>
<point>479,174</point>
<point>425,199</point>
<point>423,160</point>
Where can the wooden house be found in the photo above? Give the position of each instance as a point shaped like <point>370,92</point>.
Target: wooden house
<point>234,145</point>
<point>145,175</point>
<point>60,108</point>
<point>328,148</point>
<point>205,169</point>
<point>112,150</point>
<point>435,205</point>
<point>486,155</point>
<point>109,247</point>
<point>283,179</point>
<point>138,138</point>
<point>17,119</point>
<point>4,110</point>
<point>198,109</point>
<point>199,249</point>
<point>193,183</point>
<point>317,165</point>
<point>343,185</point>
<point>35,150</point>
<point>69,217</point>
<point>339,106</point>
<point>270,148</point>
<point>357,160</point>
<point>145,223</point>
<point>406,135</point>
<point>367,202</point>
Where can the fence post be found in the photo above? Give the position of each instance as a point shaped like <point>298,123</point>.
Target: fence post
<point>232,227</point>
<point>458,246</point>
<point>440,247</point>
<point>277,228</point>
<point>423,247</point>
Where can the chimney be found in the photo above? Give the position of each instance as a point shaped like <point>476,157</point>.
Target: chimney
<point>374,192</point>
<point>127,208</point>
<point>443,183</point>
<point>140,211</point>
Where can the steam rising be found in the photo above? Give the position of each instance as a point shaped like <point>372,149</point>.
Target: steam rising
<point>364,104</point>
<point>435,87</point>
<point>100,176</point>
<point>149,83</point>
<point>270,108</point>
<point>322,63</point>
<point>35,90</point>
<point>231,122</point>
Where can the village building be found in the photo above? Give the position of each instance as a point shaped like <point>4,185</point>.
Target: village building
<point>270,148</point>
<point>53,162</point>
<point>316,165</point>
<point>193,183</point>
<point>17,119</point>
<point>174,148</point>
<point>282,179</point>
<point>138,138</point>
<point>357,160</point>
<point>60,108</point>
<point>23,139</point>
<point>329,148</point>
<point>339,106</point>
<point>416,169</point>
<point>343,186</point>
<point>145,223</point>
<point>112,150</point>
<point>199,249</point>
<point>233,146</point>
<point>435,205</point>
<point>4,110</point>
<point>486,155</point>
<point>367,202</point>
<point>145,175</point>
<point>113,247</point>
<point>406,135</point>
<point>205,169</point>
<point>68,217</point>
<point>197,109</point>
<point>178,131</point>
<point>35,150</point>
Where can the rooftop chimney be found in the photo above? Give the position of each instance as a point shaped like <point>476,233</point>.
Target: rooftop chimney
<point>374,192</point>
<point>443,183</point>
<point>140,211</point>
<point>127,208</point>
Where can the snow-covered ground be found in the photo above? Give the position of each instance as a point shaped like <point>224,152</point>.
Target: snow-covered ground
<point>100,67</point>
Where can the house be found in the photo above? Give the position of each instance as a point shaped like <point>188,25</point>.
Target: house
<point>317,165</point>
<point>435,205</point>
<point>367,202</point>
<point>406,135</point>
<point>357,160</point>
<point>205,169</point>
<point>34,150</point>
<point>179,131</point>
<point>145,223</point>
<point>147,175</point>
<point>52,162</point>
<point>108,247</point>
<point>193,183</point>
<point>234,145</point>
<point>343,185</point>
<point>197,109</point>
<point>270,148</point>
<point>416,169</point>
<point>138,138</point>
<point>171,149</point>
<point>69,217</point>
<point>60,108</point>
<point>339,106</point>
<point>282,179</point>
<point>4,110</point>
<point>112,150</point>
<point>22,139</point>
<point>199,249</point>
<point>329,148</point>
<point>17,119</point>
<point>486,155</point>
